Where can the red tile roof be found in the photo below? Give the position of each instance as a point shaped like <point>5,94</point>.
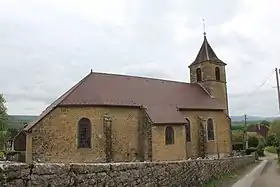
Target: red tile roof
<point>161,99</point>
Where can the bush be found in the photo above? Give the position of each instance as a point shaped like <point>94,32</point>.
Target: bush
<point>237,146</point>
<point>2,155</point>
<point>272,140</point>
<point>250,150</point>
<point>260,151</point>
<point>271,149</point>
<point>253,141</point>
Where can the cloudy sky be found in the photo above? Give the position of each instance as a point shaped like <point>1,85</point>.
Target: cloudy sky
<point>46,47</point>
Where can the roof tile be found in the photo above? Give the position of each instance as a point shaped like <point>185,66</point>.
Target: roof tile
<point>160,98</point>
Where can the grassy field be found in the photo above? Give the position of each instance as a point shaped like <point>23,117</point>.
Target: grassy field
<point>17,121</point>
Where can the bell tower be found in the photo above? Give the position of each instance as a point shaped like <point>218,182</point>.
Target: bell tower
<point>209,71</point>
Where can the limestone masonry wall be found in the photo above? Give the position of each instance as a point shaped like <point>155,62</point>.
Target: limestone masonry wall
<point>177,173</point>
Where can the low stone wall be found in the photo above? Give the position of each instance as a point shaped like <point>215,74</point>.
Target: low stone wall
<point>191,172</point>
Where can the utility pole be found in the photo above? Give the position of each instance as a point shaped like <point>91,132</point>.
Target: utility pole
<point>245,132</point>
<point>277,82</point>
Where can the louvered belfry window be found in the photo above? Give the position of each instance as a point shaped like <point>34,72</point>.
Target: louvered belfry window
<point>217,74</point>
<point>198,74</point>
<point>84,133</point>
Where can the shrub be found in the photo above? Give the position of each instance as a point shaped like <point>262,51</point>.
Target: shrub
<point>237,146</point>
<point>260,151</point>
<point>272,140</point>
<point>2,154</point>
<point>253,141</point>
<point>250,150</point>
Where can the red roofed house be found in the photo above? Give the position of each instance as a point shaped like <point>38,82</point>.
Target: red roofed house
<point>115,118</point>
<point>258,129</point>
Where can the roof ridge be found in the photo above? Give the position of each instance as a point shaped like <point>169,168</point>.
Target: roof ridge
<point>140,77</point>
<point>55,104</point>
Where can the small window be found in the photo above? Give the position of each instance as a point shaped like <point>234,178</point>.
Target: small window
<point>169,135</point>
<point>210,129</point>
<point>218,74</point>
<point>84,133</point>
<point>188,131</point>
<point>198,74</point>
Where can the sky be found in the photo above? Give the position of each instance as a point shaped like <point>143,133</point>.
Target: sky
<point>48,46</point>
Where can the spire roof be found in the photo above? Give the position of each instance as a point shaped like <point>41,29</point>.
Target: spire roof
<point>206,53</point>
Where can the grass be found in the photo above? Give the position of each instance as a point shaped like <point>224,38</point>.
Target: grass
<point>271,149</point>
<point>231,178</point>
<point>216,182</point>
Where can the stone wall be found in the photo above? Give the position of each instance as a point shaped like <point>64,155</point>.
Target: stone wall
<point>177,173</point>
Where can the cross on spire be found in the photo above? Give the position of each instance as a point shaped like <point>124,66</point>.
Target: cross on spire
<point>204,30</point>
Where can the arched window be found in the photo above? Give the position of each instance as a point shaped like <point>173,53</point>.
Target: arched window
<point>84,133</point>
<point>218,74</point>
<point>210,129</point>
<point>188,131</point>
<point>198,74</point>
<point>169,135</point>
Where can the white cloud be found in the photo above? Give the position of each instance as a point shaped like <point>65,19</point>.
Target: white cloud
<point>46,47</point>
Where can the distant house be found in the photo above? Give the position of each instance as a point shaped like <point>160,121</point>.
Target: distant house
<point>259,129</point>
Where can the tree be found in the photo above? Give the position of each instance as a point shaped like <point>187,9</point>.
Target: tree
<point>265,122</point>
<point>237,136</point>
<point>12,132</point>
<point>3,122</point>
<point>272,140</point>
<point>275,128</point>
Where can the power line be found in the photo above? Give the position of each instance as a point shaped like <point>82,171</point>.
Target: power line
<point>257,88</point>
<point>261,85</point>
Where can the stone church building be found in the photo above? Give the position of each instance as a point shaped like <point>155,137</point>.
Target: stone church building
<point>116,118</point>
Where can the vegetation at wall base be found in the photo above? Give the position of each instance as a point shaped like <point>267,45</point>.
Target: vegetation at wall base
<point>271,149</point>
<point>219,180</point>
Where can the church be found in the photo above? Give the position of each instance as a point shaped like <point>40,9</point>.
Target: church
<point>121,118</point>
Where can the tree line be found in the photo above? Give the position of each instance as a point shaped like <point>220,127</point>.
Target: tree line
<point>6,133</point>
<point>272,139</point>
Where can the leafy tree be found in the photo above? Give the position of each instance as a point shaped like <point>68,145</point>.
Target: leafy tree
<point>272,140</point>
<point>12,132</point>
<point>265,122</point>
<point>275,128</point>
<point>3,122</point>
<point>237,136</point>
<point>237,127</point>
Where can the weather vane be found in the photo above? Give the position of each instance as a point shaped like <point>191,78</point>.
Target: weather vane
<point>204,32</point>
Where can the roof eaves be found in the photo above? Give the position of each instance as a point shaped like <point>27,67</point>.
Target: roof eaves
<point>218,61</point>
<point>52,106</point>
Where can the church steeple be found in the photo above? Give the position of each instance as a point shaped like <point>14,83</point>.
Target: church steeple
<point>206,53</point>
<point>209,71</point>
